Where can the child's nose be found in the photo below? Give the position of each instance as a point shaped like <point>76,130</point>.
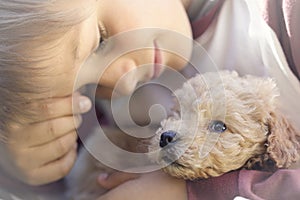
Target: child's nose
<point>166,138</point>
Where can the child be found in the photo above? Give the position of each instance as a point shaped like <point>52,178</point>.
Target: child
<point>61,37</point>
<point>43,45</point>
<point>236,36</point>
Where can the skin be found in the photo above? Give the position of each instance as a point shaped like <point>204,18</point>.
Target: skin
<point>155,185</point>
<point>40,152</point>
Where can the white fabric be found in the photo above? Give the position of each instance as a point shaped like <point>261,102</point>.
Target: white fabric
<point>198,8</point>
<point>239,39</point>
<point>239,198</point>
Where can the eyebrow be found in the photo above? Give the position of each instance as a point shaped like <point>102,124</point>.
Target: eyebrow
<point>74,44</point>
<point>75,49</point>
<point>75,53</point>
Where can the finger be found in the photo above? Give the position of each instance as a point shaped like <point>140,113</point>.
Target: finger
<point>115,179</point>
<point>59,107</point>
<point>54,150</point>
<point>104,92</point>
<point>45,132</point>
<point>55,170</point>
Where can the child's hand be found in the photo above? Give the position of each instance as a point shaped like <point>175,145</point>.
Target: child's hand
<point>110,181</point>
<point>45,151</point>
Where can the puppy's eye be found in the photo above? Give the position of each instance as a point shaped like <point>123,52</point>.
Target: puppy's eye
<point>217,126</point>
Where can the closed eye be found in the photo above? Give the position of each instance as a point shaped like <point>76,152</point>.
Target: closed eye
<point>103,36</point>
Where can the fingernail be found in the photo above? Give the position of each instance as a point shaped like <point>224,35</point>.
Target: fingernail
<point>102,176</point>
<point>84,104</point>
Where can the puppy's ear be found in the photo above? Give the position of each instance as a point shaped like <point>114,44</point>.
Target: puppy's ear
<point>282,146</point>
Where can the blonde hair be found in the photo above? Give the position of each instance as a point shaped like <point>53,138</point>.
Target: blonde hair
<point>22,22</point>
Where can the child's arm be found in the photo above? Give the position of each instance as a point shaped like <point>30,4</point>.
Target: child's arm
<point>152,186</point>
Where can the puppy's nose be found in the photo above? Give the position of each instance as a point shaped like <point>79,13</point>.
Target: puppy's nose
<point>166,138</point>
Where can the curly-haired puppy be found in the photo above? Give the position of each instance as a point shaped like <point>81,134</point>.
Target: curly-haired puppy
<point>221,122</point>
<point>224,122</point>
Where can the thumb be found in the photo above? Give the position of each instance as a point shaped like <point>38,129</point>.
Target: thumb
<point>110,181</point>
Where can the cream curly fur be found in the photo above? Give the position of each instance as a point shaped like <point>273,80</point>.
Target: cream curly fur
<point>257,135</point>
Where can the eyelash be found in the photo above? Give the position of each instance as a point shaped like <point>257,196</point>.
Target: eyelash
<point>103,36</point>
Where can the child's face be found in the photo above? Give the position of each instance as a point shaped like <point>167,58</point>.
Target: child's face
<point>115,17</point>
